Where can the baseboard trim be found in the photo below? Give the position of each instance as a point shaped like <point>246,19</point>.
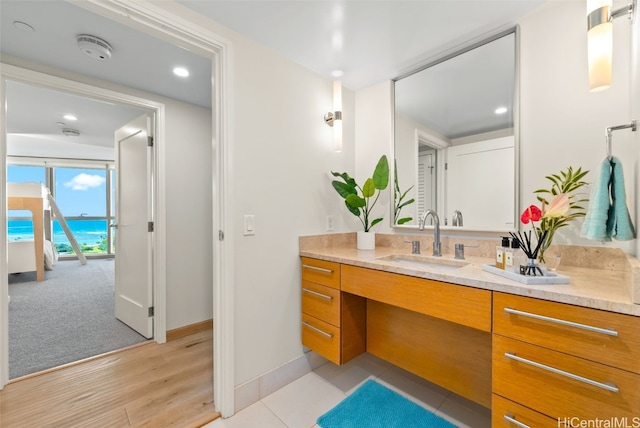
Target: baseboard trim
<point>188,330</point>
<point>261,386</point>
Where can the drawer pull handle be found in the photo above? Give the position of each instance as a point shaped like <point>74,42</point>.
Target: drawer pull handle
<point>510,418</point>
<point>316,329</point>
<point>563,322</point>
<point>315,293</point>
<point>318,268</point>
<point>608,387</point>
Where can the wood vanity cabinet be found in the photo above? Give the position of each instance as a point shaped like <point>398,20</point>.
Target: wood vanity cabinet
<point>333,323</point>
<point>567,362</point>
<point>535,363</point>
<point>507,414</point>
<point>458,304</point>
<point>436,330</point>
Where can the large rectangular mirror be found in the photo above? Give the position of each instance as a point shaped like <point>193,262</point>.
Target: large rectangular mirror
<point>456,139</point>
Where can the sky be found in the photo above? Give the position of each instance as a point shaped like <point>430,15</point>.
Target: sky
<point>78,191</point>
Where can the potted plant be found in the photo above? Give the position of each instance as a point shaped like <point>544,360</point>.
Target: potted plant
<point>360,200</point>
<point>398,199</point>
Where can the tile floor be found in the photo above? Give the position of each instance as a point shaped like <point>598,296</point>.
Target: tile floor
<point>300,403</point>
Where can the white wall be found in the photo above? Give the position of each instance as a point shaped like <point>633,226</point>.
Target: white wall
<point>635,114</point>
<point>562,123</point>
<point>281,157</point>
<point>372,140</point>
<point>189,210</point>
<point>283,153</point>
<point>188,176</point>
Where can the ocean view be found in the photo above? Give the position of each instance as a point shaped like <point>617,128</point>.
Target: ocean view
<point>88,232</point>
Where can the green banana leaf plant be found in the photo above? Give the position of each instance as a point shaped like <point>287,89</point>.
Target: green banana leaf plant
<point>360,200</point>
<point>398,198</point>
<point>567,182</point>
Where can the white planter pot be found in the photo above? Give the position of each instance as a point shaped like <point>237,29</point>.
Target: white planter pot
<point>366,240</point>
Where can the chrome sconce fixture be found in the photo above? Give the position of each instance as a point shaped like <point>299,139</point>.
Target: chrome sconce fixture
<point>334,118</point>
<point>600,40</point>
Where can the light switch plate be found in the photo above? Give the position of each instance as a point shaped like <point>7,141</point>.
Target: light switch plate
<point>249,225</point>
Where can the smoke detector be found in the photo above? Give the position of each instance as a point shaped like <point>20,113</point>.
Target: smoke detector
<point>95,47</point>
<point>69,132</point>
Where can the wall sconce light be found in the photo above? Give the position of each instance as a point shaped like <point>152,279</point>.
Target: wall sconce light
<point>334,118</point>
<point>600,40</point>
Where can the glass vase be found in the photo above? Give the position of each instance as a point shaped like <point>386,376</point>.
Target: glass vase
<point>532,268</point>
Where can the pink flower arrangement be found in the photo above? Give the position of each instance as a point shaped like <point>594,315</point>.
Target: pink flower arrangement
<point>563,208</point>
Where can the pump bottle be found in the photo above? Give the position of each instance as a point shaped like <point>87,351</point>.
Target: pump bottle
<point>500,252</point>
<point>513,257</point>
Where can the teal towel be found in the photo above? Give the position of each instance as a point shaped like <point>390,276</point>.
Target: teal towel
<point>619,224</point>
<point>595,222</point>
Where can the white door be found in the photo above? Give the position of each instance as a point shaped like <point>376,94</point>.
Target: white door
<point>486,200</point>
<point>427,179</point>
<point>134,181</point>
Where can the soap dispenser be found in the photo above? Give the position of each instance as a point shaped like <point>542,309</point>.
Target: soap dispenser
<point>500,252</point>
<point>512,257</point>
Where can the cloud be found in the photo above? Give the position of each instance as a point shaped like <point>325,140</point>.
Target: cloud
<point>84,181</point>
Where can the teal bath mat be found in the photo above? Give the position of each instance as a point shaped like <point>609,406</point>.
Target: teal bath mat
<point>372,406</point>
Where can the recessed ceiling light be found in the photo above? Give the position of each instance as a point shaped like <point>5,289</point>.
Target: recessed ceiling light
<point>60,123</point>
<point>337,73</point>
<point>181,71</point>
<point>70,117</point>
<point>23,26</point>
<point>501,110</point>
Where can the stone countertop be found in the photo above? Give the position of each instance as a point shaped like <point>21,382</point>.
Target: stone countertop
<point>608,290</point>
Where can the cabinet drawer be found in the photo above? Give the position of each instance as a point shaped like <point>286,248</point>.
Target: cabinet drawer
<point>560,385</point>
<point>321,272</point>
<point>601,336</point>
<point>322,337</point>
<point>456,303</point>
<point>507,414</point>
<point>321,302</point>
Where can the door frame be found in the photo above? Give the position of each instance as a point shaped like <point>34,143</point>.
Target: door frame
<point>21,75</point>
<point>152,18</point>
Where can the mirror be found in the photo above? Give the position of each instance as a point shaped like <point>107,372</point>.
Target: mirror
<point>455,139</point>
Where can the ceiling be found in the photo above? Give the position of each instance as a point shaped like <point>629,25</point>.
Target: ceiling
<point>370,41</point>
<point>464,92</point>
<point>138,61</point>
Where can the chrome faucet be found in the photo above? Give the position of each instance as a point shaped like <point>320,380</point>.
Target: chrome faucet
<point>457,218</point>
<point>436,230</point>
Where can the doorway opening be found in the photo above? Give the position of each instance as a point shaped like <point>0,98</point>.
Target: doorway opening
<point>154,19</point>
<point>69,314</point>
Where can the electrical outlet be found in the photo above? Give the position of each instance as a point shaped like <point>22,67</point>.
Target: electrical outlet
<point>249,225</point>
<point>329,222</point>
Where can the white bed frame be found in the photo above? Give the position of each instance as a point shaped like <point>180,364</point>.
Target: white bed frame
<point>35,198</point>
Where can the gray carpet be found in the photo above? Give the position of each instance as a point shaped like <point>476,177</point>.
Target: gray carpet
<point>68,317</point>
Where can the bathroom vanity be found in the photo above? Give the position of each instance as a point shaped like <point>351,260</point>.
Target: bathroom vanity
<point>534,354</point>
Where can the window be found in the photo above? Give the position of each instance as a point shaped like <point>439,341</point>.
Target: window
<point>85,198</point>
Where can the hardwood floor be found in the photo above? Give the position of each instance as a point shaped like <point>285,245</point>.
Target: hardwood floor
<point>149,385</point>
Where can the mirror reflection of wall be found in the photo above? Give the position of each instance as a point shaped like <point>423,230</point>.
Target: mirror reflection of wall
<point>427,179</point>
<point>455,138</point>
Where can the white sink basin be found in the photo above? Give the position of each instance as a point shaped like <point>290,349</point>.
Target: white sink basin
<point>428,262</point>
